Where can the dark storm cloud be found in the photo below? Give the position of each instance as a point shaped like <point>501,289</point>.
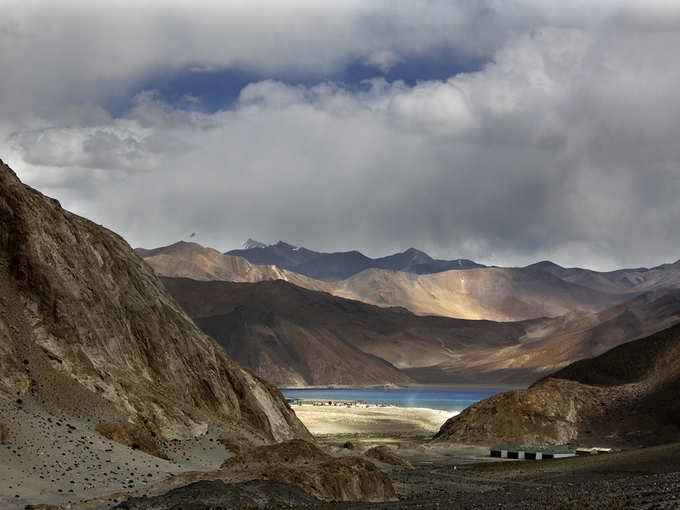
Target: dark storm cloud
<point>563,145</point>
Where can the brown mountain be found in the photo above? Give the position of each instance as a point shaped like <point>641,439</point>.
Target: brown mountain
<point>621,281</point>
<point>89,332</point>
<point>191,260</point>
<point>336,266</point>
<point>500,294</point>
<point>294,336</point>
<point>626,396</point>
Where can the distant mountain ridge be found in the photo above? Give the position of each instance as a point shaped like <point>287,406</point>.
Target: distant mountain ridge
<point>620,281</point>
<point>492,293</point>
<point>337,266</point>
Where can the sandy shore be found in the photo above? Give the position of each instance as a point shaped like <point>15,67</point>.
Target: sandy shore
<point>322,420</point>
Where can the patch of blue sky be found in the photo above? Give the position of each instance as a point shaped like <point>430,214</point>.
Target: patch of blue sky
<point>212,89</point>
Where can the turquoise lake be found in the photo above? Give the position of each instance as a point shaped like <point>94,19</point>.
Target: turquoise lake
<point>448,399</point>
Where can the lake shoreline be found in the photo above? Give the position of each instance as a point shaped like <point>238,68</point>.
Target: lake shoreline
<point>387,387</point>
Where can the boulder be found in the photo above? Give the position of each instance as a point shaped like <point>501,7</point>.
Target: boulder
<point>388,456</point>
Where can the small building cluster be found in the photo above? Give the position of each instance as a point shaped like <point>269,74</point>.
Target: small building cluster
<point>335,403</point>
<point>531,452</point>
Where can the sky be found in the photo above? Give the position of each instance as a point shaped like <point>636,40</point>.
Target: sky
<point>503,131</point>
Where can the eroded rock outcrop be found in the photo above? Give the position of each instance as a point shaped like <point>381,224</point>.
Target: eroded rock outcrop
<point>626,396</point>
<point>302,464</point>
<point>87,328</point>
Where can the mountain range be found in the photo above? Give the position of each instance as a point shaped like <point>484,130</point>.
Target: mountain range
<point>491,293</point>
<point>337,266</point>
<point>297,337</point>
<point>621,281</point>
<point>506,325</point>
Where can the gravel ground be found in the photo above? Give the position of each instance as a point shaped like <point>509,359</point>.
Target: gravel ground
<point>636,479</point>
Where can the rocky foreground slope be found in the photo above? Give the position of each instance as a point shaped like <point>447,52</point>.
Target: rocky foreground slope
<point>624,397</point>
<point>106,384</point>
<point>83,316</point>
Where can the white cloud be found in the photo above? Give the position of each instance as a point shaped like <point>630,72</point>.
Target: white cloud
<point>383,60</point>
<point>563,146</point>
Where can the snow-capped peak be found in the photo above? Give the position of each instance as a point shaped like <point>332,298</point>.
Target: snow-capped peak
<point>252,243</point>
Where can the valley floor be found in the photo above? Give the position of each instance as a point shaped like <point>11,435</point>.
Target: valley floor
<point>323,420</point>
<point>49,459</point>
<point>463,477</point>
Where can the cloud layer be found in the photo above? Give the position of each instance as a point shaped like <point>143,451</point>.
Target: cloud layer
<point>563,146</point>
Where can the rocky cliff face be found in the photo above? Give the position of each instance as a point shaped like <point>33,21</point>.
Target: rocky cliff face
<point>87,328</point>
<point>624,397</point>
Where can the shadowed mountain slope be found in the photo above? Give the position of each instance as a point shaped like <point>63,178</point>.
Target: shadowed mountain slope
<point>550,345</point>
<point>341,265</point>
<point>627,395</point>
<point>294,336</point>
<point>89,332</point>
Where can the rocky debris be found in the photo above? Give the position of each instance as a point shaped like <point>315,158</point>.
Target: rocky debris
<point>235,444</point>
<point>388,456</point>
<point>134,436</point>
<point>626,396</point>
<point>289,453</point>
<point>43,507</point>
<point>302,464</point>
<point>256,494</point>
<point>86,327</point>
<point>4,434</point>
